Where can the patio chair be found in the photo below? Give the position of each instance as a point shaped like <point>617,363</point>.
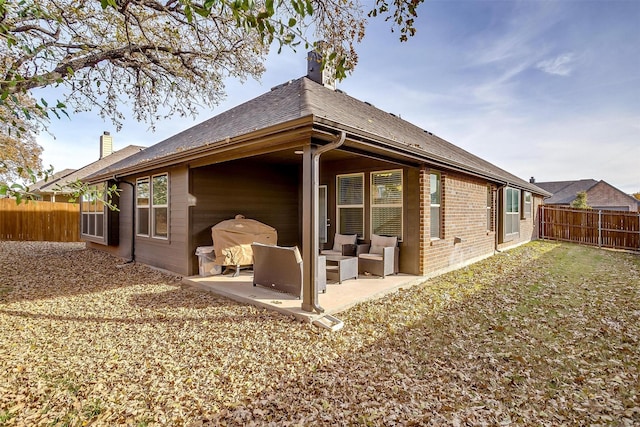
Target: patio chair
<point>280,268</point>
<point>343,244</point>
<point>381,258</point>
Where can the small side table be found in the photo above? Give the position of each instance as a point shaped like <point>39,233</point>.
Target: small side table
<point>341,267</point>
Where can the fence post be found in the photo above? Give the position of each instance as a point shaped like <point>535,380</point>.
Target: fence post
<point>599,228</point>
<point>542,222</point>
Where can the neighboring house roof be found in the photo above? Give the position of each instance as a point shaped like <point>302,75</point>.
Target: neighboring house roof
<point>59,185</point>
<point>564,192</point>
<point>51,179</point>
<point>599,193</point>
<point>302,98</point>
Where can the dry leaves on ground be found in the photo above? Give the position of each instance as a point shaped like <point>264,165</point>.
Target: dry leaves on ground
<point>545,334</point>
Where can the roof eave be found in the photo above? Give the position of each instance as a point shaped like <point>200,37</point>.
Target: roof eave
<point>422,156</point>
<point>205,150</point>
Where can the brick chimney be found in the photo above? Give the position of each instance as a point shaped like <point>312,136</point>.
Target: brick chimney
<point>324,76</point>
<point>106,144</point>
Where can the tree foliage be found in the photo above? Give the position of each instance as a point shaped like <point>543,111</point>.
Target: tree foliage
<point>160,57</point>
<point>165,57</point>
<point>580,202</point>
<point>20,151</point>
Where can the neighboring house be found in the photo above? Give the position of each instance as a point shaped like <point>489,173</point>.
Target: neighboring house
<point>49,196</point>
<point>58,190</point>
<point>268,158</point>
<point>600,195</point>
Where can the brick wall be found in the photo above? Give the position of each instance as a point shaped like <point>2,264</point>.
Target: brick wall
<point>603,196</point>
<point>465,237</point>
<point>528,226</point>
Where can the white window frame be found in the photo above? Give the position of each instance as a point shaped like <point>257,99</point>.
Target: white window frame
<point>373,205</point>
<point>151,207</point>
<point>323,222</point>
<point>514,231</point>
<point>154,206</point>
<point>361,206</point>
<point>141,206</point>
<point>433,206</point>
<point>94,196</point>
<point>527,203</point>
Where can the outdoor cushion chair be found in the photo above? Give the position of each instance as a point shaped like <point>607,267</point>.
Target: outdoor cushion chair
<point>280,268</point>
<point>343,244</point>
<point>381,258</point>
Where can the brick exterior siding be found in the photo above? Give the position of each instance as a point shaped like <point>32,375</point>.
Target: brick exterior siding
<point>464,237</point>
<point>605,196</point>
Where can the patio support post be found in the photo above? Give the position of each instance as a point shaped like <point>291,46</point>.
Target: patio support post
<point>310,219</point>
<point>310,241</point>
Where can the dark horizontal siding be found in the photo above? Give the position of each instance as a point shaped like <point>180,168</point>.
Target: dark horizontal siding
<point>265,192</point>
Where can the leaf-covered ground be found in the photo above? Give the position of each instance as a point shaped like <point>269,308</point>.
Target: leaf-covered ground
<point>545,334</point>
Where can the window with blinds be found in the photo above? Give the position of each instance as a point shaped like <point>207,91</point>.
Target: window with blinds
<point>350,203</point>
<point>386,203</point>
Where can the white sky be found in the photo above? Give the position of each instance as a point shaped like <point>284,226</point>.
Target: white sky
<point>549,89</point>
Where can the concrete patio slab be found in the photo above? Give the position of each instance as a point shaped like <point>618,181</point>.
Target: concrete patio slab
<point>338,297</point>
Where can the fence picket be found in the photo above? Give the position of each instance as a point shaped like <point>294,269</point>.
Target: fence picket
<point>610,229</point>
<point>39,221</point>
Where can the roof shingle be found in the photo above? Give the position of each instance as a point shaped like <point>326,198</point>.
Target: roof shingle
<point>302,98</point>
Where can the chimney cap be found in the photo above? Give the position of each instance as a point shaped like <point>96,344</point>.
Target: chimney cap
<point>532,180</point>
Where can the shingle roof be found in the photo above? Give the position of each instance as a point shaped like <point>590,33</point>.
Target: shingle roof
<point>80,174</point>
<point>564,192</point>
<point>302,98</point>
<point>50,180</point>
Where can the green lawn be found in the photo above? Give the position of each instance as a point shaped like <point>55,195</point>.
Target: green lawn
<point>544,334</point>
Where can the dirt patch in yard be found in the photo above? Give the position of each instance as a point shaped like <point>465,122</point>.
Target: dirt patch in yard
<point>545,334</point>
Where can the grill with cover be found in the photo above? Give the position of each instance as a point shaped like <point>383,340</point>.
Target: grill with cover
<point>232,240</point>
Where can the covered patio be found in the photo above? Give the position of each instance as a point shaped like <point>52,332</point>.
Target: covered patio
<point>337,298</point>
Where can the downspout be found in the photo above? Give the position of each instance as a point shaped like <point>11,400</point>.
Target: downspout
<point>133,219</point>
<point>315,222</point>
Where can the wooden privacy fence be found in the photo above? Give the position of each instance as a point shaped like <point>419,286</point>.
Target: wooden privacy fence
<point>609,229</point>
<point>39,221</point>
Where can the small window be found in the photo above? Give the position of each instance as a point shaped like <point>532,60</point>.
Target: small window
<point>322,213</point>
<point>152,206</point>
<point>142,206</point>
<point>512,212</point>
<point>526,204</point>
<point>350,204</point>
<point>160,206</point>
<point>386,203</point>
<point>436,198</point>
<point>93,212</point>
